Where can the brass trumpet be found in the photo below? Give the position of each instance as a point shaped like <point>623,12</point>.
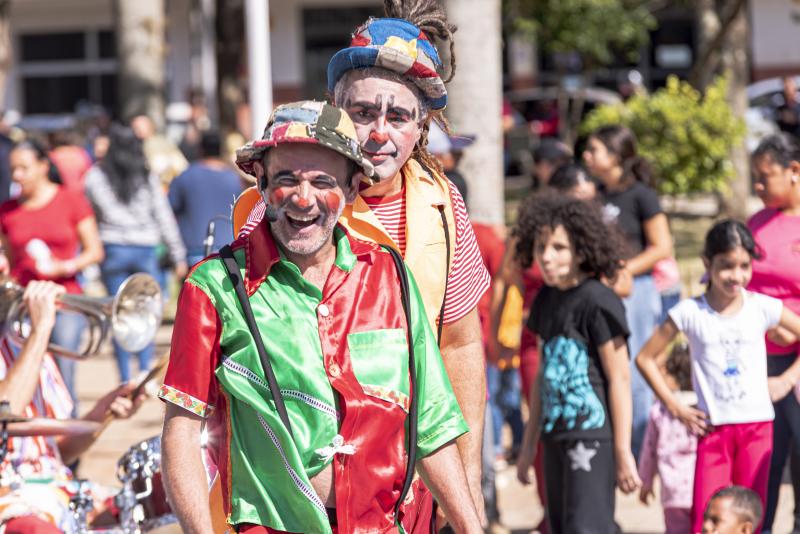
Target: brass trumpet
<point>132,316</point>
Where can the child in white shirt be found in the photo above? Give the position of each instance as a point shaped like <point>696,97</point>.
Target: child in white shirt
<point>726,328</point>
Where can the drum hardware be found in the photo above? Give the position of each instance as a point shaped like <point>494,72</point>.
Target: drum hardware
<point>80,504</point>
<point>6,417</point>
<point>132,316</point>
<point>143,502</point>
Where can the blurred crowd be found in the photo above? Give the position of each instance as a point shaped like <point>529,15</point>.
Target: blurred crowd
<point>99,202</point>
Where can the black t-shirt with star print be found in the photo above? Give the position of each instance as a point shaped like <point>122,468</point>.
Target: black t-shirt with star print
<point>574,389</point>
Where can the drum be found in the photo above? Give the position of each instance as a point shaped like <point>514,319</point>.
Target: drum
<point>143,499</point>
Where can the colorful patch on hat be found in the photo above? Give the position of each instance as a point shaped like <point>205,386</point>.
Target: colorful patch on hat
<point>308,115</point>
<point>408,48</point>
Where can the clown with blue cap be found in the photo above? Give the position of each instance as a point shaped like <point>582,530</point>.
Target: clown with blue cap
<point>389,80</point>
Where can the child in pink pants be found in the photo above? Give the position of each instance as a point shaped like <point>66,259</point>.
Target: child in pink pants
<point>725,328</point>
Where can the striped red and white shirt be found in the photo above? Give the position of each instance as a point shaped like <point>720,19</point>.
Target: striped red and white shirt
<point>468,279</point>
<point>37,457</point>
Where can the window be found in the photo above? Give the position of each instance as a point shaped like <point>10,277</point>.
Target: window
<point>62,69</point>
<point>327,31</point>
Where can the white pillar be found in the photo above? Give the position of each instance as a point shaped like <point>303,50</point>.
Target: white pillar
<point>208,58</point>
<point>256,15</point>
<point>475,103</point>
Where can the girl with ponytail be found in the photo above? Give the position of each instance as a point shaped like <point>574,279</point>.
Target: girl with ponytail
<point>625,180</point>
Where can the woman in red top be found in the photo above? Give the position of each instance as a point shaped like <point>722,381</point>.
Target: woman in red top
<point>42,231</point>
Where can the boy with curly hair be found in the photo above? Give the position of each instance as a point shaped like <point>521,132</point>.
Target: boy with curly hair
<point>580,403</point>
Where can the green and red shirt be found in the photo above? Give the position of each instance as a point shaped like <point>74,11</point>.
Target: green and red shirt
<point>340,356</point>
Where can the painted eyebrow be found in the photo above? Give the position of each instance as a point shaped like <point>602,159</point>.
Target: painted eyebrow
<point>290,174</point>
<point>365,104</point>
<point>283,174</point>
<point>402,111</point>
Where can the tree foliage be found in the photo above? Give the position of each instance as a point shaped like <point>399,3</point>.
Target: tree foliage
<point>687,136</point>
<point>598,30</point>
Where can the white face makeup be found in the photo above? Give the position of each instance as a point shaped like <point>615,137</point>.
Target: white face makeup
<point>388,120</point>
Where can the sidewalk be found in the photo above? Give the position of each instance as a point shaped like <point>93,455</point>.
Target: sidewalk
<point>519,507</point>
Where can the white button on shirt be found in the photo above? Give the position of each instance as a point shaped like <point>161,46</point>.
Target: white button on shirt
<point>324,310</point>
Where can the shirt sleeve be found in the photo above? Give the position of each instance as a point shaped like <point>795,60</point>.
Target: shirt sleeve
<point>468,279</point>
<point>80,207</point>
<point>649,205</point>
<point>440,418</point>
<point>608,320</point>
<point>771,308</point>
<point>194,354</point>
<point>534,317</point>
<point>678,314</point>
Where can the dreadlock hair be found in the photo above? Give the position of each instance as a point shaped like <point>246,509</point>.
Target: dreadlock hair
<point>598,247</point>
<point>430,17</point>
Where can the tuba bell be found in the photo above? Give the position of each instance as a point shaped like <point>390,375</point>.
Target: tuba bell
<point>132,316</point>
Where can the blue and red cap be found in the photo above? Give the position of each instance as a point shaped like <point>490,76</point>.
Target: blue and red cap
<point>395,45</point>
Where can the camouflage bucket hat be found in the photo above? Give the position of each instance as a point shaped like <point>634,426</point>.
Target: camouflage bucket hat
<point>306,122</point>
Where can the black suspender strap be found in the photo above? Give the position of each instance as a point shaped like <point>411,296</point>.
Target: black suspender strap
<point>446,273</point>
<point>412,378</point>
<point>233,273</point>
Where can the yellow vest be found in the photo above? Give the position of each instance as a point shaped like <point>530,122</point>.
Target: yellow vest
<point>425,254</point>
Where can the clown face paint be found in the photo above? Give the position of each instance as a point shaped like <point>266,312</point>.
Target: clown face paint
<point>386,114</point>
<point>308,184</point>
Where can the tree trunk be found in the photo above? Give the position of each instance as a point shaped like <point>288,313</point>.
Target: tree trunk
<point>475,103</point>
<point>140,52</point>
<point>735,61</point>
<point>230,53</point>
<point>5,46</point>
<point>715,20</point>
<point>707,60</point>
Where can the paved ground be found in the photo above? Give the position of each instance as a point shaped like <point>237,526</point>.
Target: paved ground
<point>519,506</point>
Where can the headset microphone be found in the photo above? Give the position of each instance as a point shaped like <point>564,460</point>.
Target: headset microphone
<point>272,213</point>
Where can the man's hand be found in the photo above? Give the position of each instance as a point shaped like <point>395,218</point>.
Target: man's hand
<point>5,266</point>
<point>117,403</point>
<point>40,299</point>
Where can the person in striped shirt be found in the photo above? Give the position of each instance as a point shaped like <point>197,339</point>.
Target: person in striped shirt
<point>33,386</point>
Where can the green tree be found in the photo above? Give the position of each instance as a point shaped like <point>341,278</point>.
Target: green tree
<point>687,136</point>
<point>598,30</point>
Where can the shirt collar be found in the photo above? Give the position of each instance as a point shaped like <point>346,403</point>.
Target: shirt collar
<point>262,253</point>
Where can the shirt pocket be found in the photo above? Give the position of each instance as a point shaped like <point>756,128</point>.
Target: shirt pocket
<point>380,363</point>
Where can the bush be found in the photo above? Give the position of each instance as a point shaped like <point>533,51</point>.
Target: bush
<point>686,136</point>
